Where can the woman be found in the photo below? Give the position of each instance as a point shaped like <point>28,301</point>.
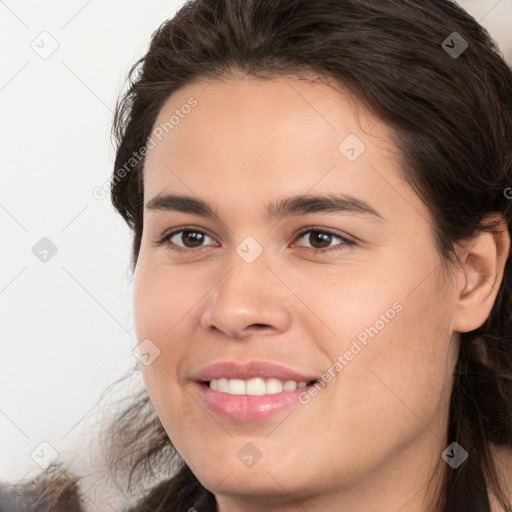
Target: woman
<point>320,198</point>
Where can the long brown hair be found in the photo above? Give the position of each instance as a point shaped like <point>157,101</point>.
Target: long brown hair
<point>451,116</point>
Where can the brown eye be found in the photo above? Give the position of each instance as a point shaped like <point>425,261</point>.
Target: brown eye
<point>189,238</point>
<point>321,239</point>
<point>192,238</point>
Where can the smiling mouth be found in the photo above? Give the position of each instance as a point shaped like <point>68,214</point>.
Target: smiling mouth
<point>256,386</point>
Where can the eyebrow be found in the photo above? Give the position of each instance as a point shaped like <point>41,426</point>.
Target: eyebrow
<point>291,206</point>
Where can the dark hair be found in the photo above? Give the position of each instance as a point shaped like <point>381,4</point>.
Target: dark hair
<point>451,119</point>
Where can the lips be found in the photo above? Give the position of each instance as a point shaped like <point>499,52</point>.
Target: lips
<point>249,407</point>
<point>250,370</point>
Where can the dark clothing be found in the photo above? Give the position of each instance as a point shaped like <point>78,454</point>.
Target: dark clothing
<point>18,498</point>
<point>22,498</point>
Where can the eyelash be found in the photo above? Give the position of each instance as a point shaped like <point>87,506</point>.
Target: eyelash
<point>165,240</point>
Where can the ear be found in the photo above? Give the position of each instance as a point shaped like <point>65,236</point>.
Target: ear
<point>483,262</point>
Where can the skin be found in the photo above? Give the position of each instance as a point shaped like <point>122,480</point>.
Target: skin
<point>371,438</point>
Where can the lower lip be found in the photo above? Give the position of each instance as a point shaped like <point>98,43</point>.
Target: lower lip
<point>249,407</point>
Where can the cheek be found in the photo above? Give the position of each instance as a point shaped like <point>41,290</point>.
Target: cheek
<point>400,377</point>
<point>394,344</point>
<point>156,309</point>
<point>163,300</point>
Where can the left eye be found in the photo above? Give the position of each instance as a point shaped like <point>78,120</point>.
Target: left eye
<point>194,238</point>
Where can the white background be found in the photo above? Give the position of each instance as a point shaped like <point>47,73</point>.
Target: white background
<point>66,325</point>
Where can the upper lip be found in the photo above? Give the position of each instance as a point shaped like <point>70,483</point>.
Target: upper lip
<point>252,369</point>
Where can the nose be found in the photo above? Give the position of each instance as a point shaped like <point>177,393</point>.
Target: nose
<point>248,299</point>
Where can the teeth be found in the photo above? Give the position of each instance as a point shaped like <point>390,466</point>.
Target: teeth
<point>236,387</point>
<point>290,385</point>
<point>256,386</point>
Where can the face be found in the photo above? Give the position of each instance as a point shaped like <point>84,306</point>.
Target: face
<point>347,293</point>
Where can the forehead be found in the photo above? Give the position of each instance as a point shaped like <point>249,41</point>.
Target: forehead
<point>258,112</point>
<point>247,138</point>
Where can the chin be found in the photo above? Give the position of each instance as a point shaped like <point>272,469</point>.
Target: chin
<point>265,479</point>
<point>251,484</point>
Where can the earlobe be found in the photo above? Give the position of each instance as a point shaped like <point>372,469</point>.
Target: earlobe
<point>482,267</point>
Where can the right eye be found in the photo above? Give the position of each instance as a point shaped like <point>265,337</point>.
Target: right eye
<point>194,237</point>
